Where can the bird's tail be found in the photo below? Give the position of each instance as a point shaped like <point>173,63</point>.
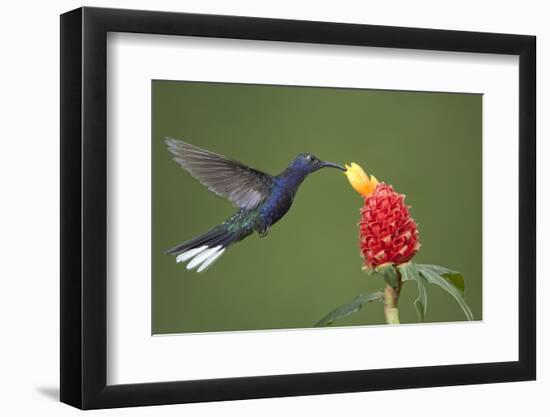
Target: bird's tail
<point>202,251</point>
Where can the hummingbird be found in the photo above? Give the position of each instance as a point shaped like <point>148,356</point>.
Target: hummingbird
<point>261,199</point>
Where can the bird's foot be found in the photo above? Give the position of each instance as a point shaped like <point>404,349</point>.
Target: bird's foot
<point>264,232</point>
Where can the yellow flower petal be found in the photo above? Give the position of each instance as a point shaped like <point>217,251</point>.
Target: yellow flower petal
<point>359,179</point>
<point>374,181</point>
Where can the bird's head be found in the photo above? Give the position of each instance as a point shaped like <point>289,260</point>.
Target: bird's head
<point>308,163</point>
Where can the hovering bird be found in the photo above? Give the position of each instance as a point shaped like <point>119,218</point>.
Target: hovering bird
<point>262,199</point>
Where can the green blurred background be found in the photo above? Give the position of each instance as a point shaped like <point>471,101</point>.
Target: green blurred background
<point>427,145</point>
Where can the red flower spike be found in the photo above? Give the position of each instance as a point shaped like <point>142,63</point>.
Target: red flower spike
<point>387,232</point>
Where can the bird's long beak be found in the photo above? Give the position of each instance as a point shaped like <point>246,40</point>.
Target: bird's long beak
<point>332,165</point>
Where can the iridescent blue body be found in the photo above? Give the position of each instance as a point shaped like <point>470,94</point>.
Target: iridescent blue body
<point>282,195</point>
<point>275,205</point>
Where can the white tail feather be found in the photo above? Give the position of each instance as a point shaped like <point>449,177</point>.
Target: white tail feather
<point>211,260</point>
<point>182,257</point>
<point>201,257</point>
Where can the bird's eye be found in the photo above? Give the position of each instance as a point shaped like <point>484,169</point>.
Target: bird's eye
<point>309,157</point>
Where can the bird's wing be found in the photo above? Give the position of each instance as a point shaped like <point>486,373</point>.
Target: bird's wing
<point>245,187</point>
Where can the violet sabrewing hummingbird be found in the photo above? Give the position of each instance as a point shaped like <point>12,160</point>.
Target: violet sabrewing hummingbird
<point>262,199</point>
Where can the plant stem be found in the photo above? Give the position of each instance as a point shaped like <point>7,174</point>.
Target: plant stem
<point>391,296</point>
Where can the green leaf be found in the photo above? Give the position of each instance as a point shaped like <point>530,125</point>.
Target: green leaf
<point>409,272</point>
<point>349,308</point>
<point>389,273</point>
<point>449,280</point>
<point>454,277</point>
<point>421,302</point>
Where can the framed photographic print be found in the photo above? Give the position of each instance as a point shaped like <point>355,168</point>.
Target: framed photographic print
<point>257,208</point>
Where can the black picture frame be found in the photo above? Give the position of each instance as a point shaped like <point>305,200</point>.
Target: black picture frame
<point>84,207</point>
